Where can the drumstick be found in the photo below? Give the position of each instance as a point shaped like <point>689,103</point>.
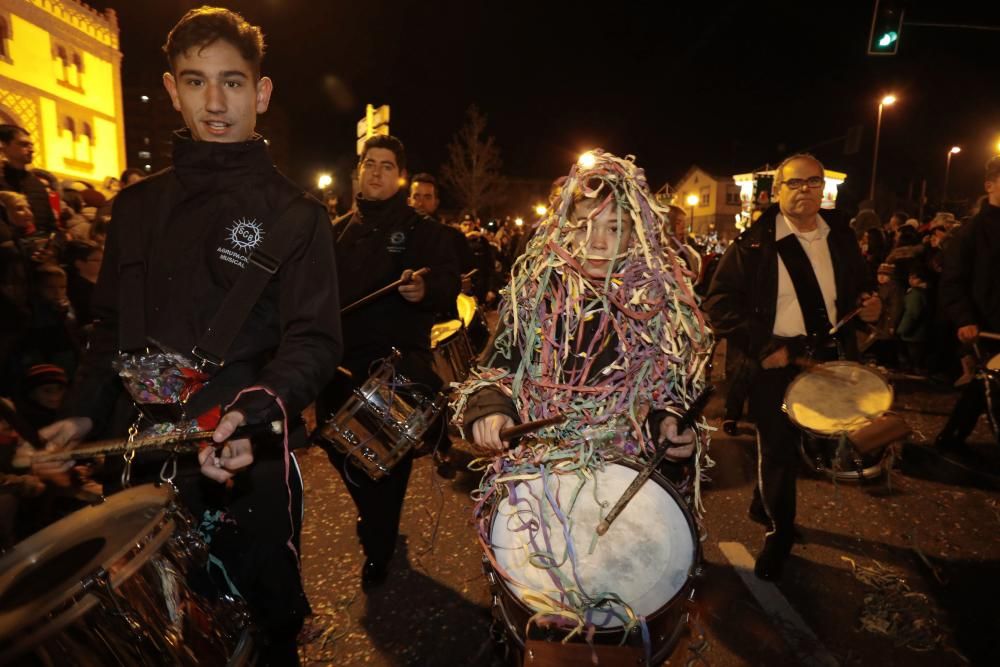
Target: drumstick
<point>686,420</point>
<point>177,442</point>
<point>989,336</point>
<point>844,320</point>
<point>528,427</point>
<point>379,293</point>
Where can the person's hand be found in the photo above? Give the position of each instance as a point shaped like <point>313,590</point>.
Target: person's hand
<point>235,455</point>
<point>871,308</point>
<point>58,436</point>
<point>777,359</point>
<point>486,431</point>
<point>684,442</point>
<point>413,288</point>
<point>969,333</point>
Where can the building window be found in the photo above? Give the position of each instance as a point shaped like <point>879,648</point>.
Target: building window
<point>77,139</point>
<point>4,38</point>
<point>706,197</point>
<point>68,66</point>
<point>732,195</point>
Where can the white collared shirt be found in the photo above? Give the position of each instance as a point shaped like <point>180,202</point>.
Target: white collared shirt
<point>788,321</point>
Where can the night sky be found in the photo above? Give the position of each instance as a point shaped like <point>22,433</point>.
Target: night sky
<point>728,85</point>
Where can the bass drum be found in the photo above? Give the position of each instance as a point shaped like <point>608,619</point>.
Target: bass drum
<point>647,560</point>
<point>108,585</point>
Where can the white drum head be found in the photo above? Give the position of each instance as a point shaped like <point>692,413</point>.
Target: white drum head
<point>837,397</point>
<point>645,558</point>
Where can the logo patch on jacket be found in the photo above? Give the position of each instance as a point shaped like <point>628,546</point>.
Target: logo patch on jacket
<point>242,237</point>
<point>397,242</point>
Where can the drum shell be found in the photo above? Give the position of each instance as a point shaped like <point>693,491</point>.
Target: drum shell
<point>377,425</point>
<point>665,625</point>
<point>137,607</point>
<point>453,357</point>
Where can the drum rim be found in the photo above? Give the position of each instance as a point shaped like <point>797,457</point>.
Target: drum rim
<point>51,612</point>
<point>683,592</point>
<point>827,364</point>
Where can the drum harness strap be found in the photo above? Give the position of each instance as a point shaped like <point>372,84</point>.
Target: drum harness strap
<point>213,345</point>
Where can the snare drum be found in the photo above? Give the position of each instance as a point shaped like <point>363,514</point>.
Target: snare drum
<point>452,351</point>
<point>382,421</point>
<point>835,399</point>
<point>108,585</point>
<point>647,559</point>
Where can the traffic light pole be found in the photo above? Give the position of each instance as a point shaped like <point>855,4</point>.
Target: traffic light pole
<point>878,132</point>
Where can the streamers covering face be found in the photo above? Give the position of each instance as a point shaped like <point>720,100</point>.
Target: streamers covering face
<point>599,321</point>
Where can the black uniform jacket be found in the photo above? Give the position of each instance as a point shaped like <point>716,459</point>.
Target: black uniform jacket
<point>198,224</point>
<point>374,244</point>
<point>743,296</point>
<point>970,283</point>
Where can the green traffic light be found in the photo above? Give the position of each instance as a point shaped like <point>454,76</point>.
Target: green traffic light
<point>887,38</point>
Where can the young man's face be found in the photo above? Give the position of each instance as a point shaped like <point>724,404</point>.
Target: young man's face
<point>599,239</point>
<point>883,278</point>
<point>21,215</point>
<point>379,174</point>
<point>423,198</point>
<point>19,151</point>
<point>215,90</point>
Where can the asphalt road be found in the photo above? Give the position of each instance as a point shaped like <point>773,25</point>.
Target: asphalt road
<point>925,540</point>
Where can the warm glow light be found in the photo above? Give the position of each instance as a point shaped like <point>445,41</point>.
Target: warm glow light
<point>324,181</point>
<point>692,200</point>
<point>402,182</point>
<point>889,100</point>
<point>587,160</point>
<point>541,210</point>
<point>519,221</point>
<point>955,149</point>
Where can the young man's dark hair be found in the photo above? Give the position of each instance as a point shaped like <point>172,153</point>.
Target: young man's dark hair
<point>423,177</point>
<point>390,143</point>
<point>9,132</point>
<point>206,25</point>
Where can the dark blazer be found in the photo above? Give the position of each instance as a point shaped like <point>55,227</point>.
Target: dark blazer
<point>743,295</point>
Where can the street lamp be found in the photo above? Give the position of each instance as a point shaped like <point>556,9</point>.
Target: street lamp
<point>886,101</point>
<point>955,150</point>
<point>587,160</point>
<point>519,222</point>
<point>692,201</point>
<point>324,181</point>
<point>541,210</point>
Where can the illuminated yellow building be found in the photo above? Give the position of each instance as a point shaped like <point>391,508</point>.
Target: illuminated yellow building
<point>60,79</point>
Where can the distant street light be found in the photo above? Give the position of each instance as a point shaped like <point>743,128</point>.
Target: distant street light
<point>541,210</point>
<point>955,150</point>
<point>587,160</point>
<point>519,222</point>
<point>692,201</point>
<point>324,181</point>
<point>886,101</point>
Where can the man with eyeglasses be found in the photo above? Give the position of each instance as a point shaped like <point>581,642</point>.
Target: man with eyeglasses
<point>781,286</point>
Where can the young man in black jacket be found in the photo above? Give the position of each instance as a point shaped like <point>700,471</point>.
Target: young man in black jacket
<point>783,318</point>
<point>970,295</point>
<point>186,237</point>
<point>380,241</point>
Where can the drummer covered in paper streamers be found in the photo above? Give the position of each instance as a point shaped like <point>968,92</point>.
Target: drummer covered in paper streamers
<point>599,323</point>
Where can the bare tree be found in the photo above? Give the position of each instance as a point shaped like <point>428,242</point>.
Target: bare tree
<point>473,167</point>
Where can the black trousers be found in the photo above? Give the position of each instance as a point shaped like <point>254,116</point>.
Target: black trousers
<point>379,503</point>
<point>971,404</point>
<point>777,449</point>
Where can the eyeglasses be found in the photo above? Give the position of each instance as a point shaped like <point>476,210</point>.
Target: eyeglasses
<point>797,183</point>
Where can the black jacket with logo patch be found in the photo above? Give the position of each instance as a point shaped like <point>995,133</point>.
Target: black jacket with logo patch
<point>198,223</point>
<point>374,245</point>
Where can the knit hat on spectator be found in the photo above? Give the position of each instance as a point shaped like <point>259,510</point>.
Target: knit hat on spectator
<point>887,268</point>
<point>40,375</point>
<point>913,222</point>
